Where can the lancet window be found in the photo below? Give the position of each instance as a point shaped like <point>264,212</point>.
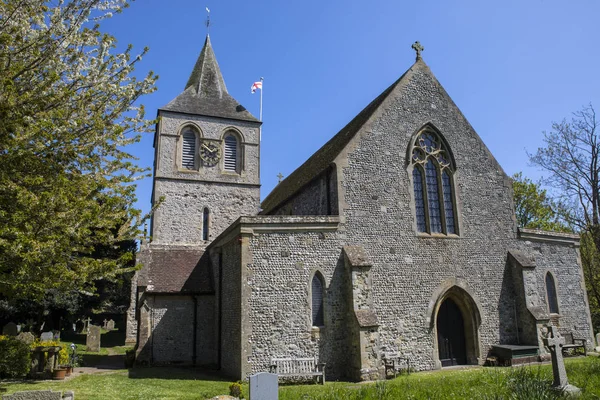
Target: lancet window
<point>551,292</point>
<point>317,291</point>
<point>434,194</point>
<point>189,145</point>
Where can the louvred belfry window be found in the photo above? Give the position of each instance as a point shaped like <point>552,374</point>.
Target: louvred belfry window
<point>231,153</point>
<point>432,172</point>
<point>317,301</point>
<point>188,149</point>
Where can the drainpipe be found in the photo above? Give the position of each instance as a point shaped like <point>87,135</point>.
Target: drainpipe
<point>195,299</point>
<point>220,315</point>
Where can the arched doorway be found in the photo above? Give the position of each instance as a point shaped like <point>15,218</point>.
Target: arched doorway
<point>451,334</point>
<point>454,319</point>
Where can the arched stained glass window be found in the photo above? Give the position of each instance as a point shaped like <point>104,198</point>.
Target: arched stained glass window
<point>434,195</point>
<point>317,288</point>
<point>231,153</point>
<point>188,148</point>
<point>551,292</point>
<point>448,203</point>
<point>419,199</point>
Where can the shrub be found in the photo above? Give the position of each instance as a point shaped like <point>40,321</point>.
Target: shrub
<point>15,358</point>
<point>235,390</point>
<point>63,354</point>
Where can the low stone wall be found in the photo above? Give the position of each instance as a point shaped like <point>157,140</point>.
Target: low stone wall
<point>40,395</point>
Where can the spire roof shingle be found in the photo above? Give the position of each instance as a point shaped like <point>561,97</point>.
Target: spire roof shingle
<point>205,92</point>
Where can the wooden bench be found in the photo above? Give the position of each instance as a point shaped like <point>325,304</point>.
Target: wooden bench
<point>298,367</point>
<point>393,362</point>
<point>571,344</point>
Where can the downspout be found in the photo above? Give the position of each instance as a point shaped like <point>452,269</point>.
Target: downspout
<point>220,318</point>
<point>152,330</point>
<point>328,188</point>
<point>195,335</point>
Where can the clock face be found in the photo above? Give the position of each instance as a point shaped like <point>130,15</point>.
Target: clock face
<point>209,153</point>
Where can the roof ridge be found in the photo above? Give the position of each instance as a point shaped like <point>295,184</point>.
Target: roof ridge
<point>319,161</point>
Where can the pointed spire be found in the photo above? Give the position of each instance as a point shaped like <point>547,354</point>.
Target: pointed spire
<point>205,91</point>
<point>206,79</point>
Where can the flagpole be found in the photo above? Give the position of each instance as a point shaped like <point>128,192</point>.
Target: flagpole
<point>260,111</point>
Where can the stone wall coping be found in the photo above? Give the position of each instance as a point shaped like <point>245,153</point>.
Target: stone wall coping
<point>276,224</point>
<point>357,257</point>
<point>539,235</point>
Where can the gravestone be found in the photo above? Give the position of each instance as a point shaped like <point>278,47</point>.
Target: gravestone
<point>92,342</point>
<point>26,337</point>
<point>104,323</point>
<point>39,395</point>
<point>264,386</point>
<point>110,325</point>
<point>10,329</point>
<point>554,342</point>
<point>46,336</point>
<point>597,341</point>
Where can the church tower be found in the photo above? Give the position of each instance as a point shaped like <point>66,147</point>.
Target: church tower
<point>207,154</point>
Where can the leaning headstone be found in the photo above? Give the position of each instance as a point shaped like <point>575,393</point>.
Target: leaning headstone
<point>264,386</point>
<point>92,342</point>
<point>110,325</point>
<point>554,342</point>
<point>46,336</point>
<point>10,329</point>
<point>26,337</point>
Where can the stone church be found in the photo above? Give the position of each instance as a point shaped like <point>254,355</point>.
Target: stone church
<point>397,236</point>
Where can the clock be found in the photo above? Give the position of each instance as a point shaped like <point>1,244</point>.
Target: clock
<point>210,153</point>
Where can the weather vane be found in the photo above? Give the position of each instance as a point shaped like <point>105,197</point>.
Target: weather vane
<point>207,20</point>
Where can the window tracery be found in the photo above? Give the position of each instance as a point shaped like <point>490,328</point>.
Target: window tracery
<point>435,205</point>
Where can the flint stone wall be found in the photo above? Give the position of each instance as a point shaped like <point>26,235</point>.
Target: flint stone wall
<point>178,220</point>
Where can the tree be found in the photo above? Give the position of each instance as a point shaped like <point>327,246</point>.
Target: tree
<point>572,157</point>
<point>533,208</point>
<point>67,109</point>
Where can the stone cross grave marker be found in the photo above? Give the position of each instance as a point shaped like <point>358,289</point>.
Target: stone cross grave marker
<point>104,325</point>
<point>554,342</point>
<point>264,386</point>
<point>88,321</point>
<point>92,342</point>
<point>47,336</point>
<point>26,337</point>
<point>110,325</point>
<point>10,329</point>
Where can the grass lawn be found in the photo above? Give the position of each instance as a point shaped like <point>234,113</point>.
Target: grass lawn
<point>478,383</point>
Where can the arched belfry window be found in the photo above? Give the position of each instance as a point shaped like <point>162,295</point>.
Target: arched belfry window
<point>231,153</point>
<point>317,291</point>
<point>205,223</point>
<point>189,138</point>
<point>551,292</point>
<point>432,174</point>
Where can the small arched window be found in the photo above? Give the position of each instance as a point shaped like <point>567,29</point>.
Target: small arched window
<point>231,155</point>
<point>317,289</point>
<point>189,143</point>
<point>205,223</point>
<point>551,292</point>
<point>432,172</point>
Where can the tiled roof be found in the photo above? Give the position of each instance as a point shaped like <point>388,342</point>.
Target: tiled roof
<point>173,269</point>
<point>323,157</point>
<point>205,92</point>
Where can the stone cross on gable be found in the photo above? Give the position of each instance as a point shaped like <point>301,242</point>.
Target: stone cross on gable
<point>280,177</point>
<point>418,48</point>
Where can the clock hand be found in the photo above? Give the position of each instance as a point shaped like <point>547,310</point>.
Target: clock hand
<point>206,147</point>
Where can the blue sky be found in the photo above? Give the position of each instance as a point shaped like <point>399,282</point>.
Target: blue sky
<point>512,67</point>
